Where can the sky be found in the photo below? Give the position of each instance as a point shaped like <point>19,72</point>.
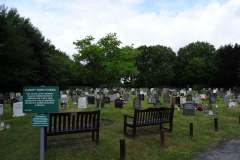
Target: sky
<point>172,23</point>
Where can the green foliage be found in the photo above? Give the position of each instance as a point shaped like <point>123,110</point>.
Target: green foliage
<point>26,58</point>
<point>104,62</point>
<point>196,64</point>
<point>156,66</point>
<point>23,52</point>
<point>228,66</point>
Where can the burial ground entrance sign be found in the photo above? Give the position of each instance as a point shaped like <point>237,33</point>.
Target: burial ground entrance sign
<point>43,99</point>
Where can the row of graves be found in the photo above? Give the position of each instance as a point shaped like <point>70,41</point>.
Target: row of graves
<point>186,100</point>
<point>84,96</point>
<point>182,98</point>
<point>81,97</point>
<point>204,100</point>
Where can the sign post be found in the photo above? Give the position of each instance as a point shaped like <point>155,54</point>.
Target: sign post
<point>41,100</point>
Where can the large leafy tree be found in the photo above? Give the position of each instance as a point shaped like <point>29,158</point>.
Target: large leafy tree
<point>196,64</point>
<point>104,62</point>
<point>228,66</point>
<point>23,52</point>
<point>156,66</point>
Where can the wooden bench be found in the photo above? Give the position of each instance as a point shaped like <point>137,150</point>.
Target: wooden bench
<point>73,122</point>
<point>148,117</point>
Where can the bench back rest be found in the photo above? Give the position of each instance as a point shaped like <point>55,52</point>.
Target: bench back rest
<point>73,121</point>
<point>153,116</point>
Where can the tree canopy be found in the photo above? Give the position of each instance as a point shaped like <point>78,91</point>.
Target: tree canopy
<point>27,58</point>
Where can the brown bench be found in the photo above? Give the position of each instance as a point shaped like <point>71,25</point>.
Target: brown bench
<point>73,122</point>
<point>148,117</point>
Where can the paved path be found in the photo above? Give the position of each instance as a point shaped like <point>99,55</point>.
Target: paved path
<point>229,150</point>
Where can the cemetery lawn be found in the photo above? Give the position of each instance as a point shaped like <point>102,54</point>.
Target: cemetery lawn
<point>21,141</point>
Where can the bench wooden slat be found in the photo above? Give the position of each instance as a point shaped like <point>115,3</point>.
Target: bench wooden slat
<point>64,121</point>
<point>69,121</point>
<point>59,122</point>
<point>54,123</point>
<point>82,118</point>
<point>73,122</point>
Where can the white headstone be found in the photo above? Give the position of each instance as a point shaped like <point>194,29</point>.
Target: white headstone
<point>82,102</point>
<point>203,96</point>
<point>64,98</point>
<point>183,91</point>
<point>12,95</point>
<point>18,109</point>
<point>183,100</point>
<point>215,90</point>
<point>1,109</point>
<point>232,104</point>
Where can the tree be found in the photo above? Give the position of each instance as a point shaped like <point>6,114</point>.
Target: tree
<point>196,64</point>
<point>156,66</point>
<point>104,62</point>
<point>23,52</point>
<point>228,66</point>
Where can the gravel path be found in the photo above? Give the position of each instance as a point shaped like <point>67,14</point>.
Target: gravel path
<point>229,150</point>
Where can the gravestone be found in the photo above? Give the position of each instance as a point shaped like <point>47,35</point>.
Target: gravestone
<point>126,96</point>
<point>12,95</point>
<point>91,99</point>
<point>136,103</point>
<point>189,98</point>
<point>226,99</point>
<point>18,109</point>
<point>238,98</point>
<point>106,99</point>
<point>196,99</point>
<point>64,100</point>
<point>213,98</point>
<point>118,103</point>
<point>203,96</point>
<point>141,97</point>
<point>232,104</point>
<point>151,99</point>
<point>82,102</point>
<point>188,109</point>
<point>1,110</point>
<point>99,100</point>
<point>183,100</point>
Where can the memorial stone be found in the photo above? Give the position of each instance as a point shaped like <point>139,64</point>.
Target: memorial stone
<point>18,109</point>
<point>1,110</point>
<point>137,103</point>
<point>82,102</point>
<point>188,109</point>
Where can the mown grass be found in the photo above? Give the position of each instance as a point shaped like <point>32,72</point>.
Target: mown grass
<point>21,141</point>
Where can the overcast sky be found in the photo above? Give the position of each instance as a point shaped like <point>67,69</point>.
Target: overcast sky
<point>173,23</point>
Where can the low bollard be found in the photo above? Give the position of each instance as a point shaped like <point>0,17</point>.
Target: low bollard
<point>191,130</point>
<point>122,149</point>
<point>215,124</point>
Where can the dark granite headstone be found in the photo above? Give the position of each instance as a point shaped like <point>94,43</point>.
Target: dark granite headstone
<point>137,103</point>
<point>188,109</point>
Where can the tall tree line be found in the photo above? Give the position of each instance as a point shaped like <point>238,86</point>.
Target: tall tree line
<point>27,58</point>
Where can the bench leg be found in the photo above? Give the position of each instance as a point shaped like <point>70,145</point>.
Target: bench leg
<point>170,126</point>
<point>125,129</point>
<point>93,135</point>
<point>97,136</point>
